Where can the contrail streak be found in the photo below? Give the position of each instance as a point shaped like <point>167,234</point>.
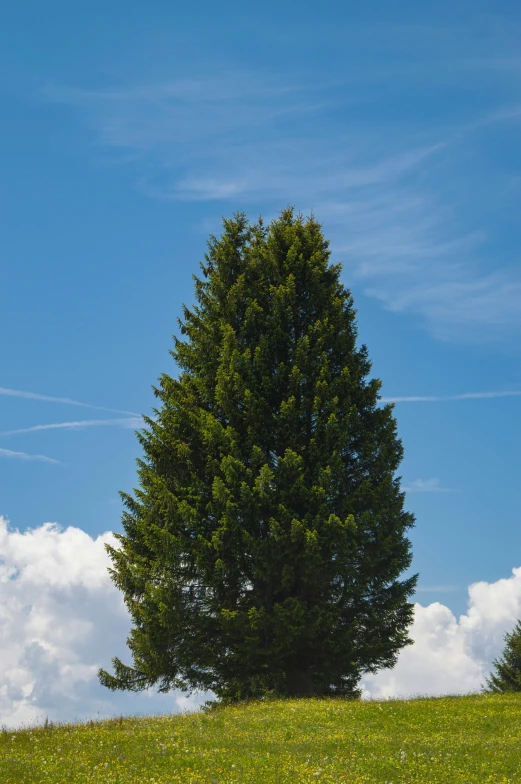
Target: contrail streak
<point>25,456</point>
<point>440,398</point>
<point>67,400</point>
<point>127,422</point>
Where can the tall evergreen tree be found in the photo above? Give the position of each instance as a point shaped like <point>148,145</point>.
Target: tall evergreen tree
<point>263,547</point>
<point>507,677</point>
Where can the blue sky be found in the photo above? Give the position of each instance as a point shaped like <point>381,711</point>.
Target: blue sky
<point>129,129</point>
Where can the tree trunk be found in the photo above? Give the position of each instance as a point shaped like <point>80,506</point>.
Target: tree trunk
<point>299,683</point>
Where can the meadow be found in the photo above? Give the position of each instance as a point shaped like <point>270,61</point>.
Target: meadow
<point>475,738</point>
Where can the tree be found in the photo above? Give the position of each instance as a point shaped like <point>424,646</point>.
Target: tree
<point>507,677</point>
<point>263,547</point>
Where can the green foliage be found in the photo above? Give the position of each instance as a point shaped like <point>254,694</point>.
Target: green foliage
<point>507,677</point>
<point>263,548</point>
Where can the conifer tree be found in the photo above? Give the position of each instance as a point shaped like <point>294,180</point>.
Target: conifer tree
<point>263,548</point>
<point>507,677</point>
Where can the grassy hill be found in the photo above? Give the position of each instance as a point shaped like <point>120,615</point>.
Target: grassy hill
<point>449,739</point>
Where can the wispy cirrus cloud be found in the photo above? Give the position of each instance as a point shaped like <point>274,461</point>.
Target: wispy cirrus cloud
<point>378,185</point>
<point>127,422</point>
<point>66,400</point>
<point>150,118</point>
<point>409,247</point>
<point>8,453</point>
<point>242,133</point>
<point>275,170</point>
<point>463,304</point>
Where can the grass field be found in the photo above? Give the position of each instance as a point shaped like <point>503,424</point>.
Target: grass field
<point>448,739</point>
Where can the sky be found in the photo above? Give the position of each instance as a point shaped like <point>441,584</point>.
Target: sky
<point>128,131</point>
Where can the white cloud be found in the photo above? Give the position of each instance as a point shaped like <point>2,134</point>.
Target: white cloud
<point>62,618</point>
<point>25,456</point>
<point>441,660</point>
<point>450,655</point>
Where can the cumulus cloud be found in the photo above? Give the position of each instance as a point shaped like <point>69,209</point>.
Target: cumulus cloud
<point>62,618</point>
<point>450,655</point>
